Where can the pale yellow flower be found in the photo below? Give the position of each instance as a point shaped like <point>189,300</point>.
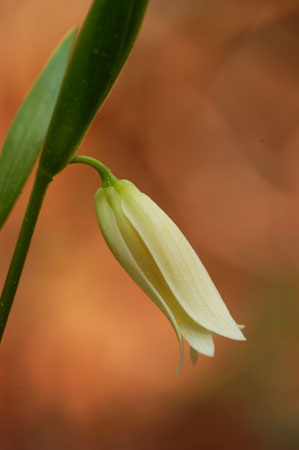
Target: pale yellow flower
<point>158,257</point>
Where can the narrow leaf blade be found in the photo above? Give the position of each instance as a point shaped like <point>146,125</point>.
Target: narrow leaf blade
<point>27,132</point>
<point>104,43</point>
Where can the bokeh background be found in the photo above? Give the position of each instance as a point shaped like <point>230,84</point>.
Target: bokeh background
<point>205,119</point>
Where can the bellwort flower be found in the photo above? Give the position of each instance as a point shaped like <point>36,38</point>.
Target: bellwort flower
<point>158,257</point>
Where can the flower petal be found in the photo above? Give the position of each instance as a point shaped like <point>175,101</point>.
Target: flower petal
<point>183,271</point>
<point>199,338</point>
<point>111,232</point>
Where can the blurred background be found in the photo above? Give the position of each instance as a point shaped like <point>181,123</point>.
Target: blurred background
<point>204,119</point>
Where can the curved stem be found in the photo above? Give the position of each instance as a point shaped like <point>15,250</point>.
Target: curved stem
<point>40,186</point>
<point>108,179</point>
<point>41,183</point>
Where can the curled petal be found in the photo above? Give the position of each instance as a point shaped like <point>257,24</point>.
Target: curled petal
<point>182,269</point>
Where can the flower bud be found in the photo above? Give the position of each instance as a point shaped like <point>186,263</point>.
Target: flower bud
<point>158,257</point>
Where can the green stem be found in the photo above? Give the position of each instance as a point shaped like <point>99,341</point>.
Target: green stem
<point>108,179</point>
<point>40,186</point>
<point>41,183</point>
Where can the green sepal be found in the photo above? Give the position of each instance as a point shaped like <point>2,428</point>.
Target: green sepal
<point>27,132</point>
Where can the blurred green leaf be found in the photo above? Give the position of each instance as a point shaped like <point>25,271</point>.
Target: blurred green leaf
<point>27,132</point>
<point>103,45</point>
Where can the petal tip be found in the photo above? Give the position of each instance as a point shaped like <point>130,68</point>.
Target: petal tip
<point>241,336</point>
<point>193,356</point>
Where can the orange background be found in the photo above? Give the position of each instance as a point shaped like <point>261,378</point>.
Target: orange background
<point>204,119</point>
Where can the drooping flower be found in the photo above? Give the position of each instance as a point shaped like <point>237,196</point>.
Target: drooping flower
<point>158,257</point>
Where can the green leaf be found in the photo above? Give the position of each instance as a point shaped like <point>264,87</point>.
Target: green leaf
<point>103,45</point>
<point>27,132</point>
